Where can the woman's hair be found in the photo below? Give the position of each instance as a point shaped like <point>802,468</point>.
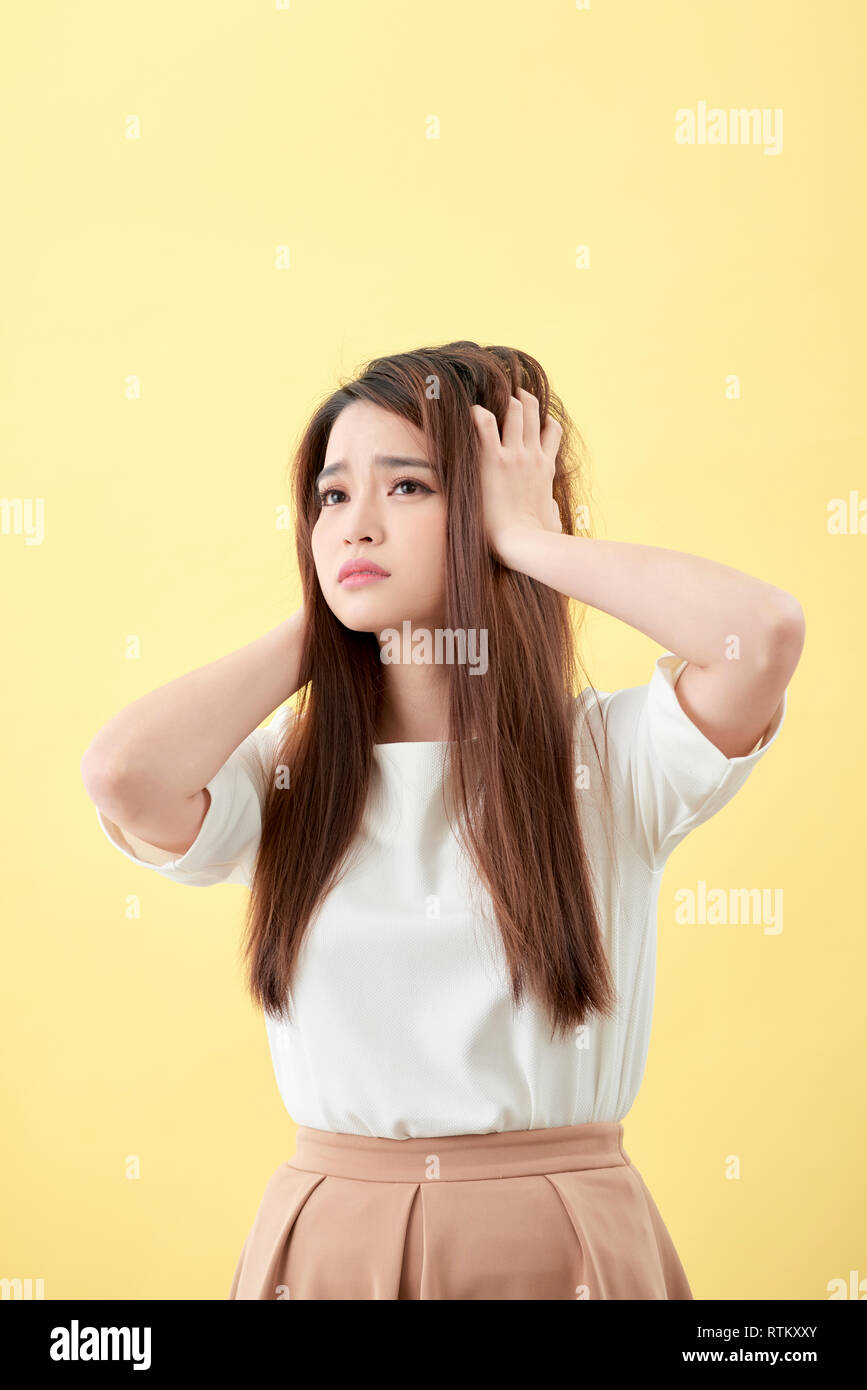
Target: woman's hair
<point>511,732</point>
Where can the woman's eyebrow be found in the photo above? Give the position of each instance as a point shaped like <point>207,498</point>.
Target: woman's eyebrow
<point>381,460</point>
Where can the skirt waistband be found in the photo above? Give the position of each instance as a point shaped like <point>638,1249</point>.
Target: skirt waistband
<point>460,1157</point>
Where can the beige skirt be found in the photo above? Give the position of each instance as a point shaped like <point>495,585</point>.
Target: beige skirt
<point>525,1214</point>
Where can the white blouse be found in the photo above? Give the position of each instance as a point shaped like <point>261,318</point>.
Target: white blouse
<point>402,1022</point>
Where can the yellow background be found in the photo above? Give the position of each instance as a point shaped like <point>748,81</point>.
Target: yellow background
<point>157,257</point>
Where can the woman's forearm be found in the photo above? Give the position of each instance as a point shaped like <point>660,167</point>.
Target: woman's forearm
<point>172,741</point>
<point>690,605</point>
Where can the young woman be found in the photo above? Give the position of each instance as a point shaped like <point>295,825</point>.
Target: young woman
<point>454,859</point>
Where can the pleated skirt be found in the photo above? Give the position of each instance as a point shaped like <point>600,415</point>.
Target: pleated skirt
<point>526,1214</point>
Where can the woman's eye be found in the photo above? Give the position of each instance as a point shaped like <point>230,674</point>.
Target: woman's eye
<point>411,482</point>
<point>400,482</point>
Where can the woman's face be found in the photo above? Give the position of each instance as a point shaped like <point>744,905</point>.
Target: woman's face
<point>390,513</point>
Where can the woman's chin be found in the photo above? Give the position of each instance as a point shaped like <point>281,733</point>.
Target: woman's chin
<point>363,616</point>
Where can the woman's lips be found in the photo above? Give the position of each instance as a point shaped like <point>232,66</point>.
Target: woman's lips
<point>359,577</point>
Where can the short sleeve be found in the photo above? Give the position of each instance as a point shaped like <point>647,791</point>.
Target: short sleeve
<point>224,851</point>
<point>667,777</point>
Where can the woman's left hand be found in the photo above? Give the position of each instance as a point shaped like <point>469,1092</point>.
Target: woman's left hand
<point>517,472</point>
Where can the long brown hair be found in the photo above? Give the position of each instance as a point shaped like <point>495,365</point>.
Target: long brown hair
<point>511,734</point>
